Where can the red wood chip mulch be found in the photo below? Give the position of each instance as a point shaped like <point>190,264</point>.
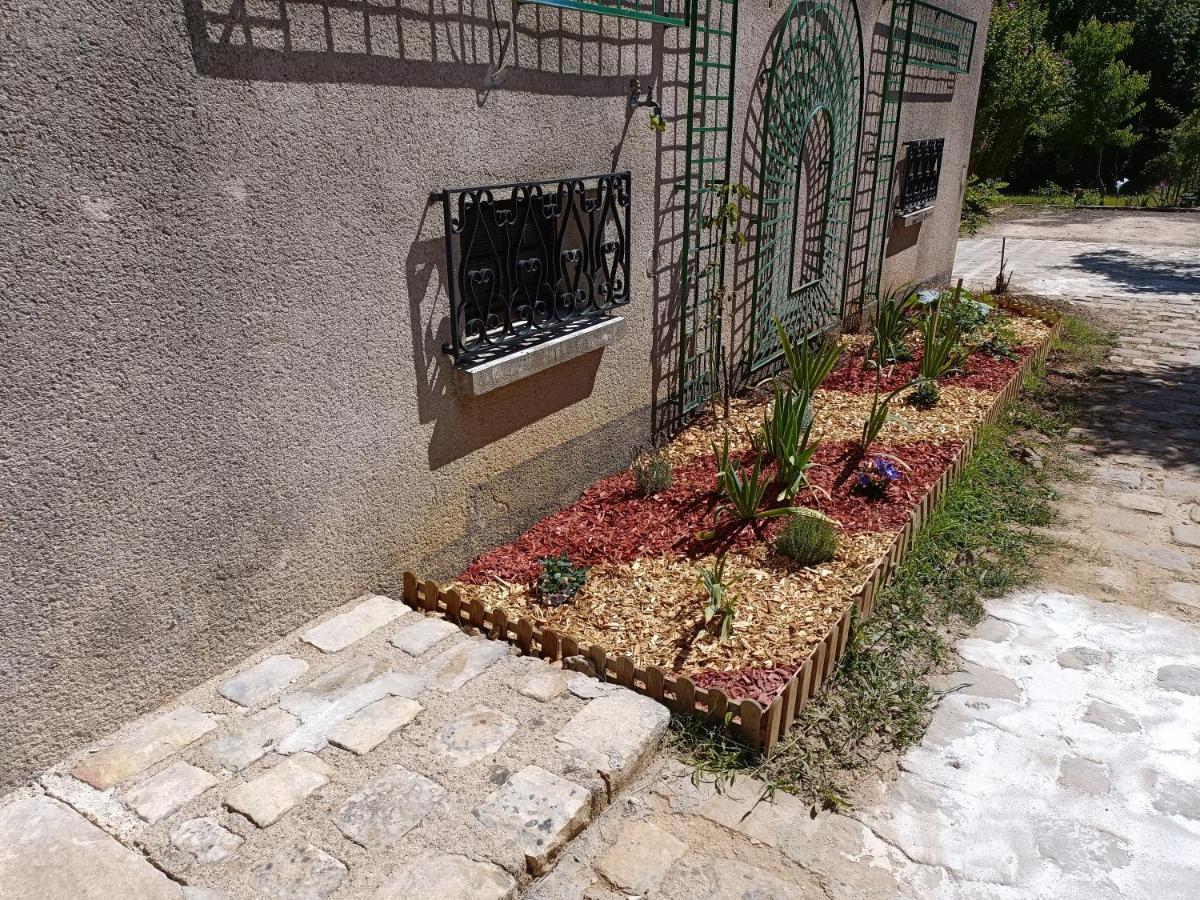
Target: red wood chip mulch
<point>762,685</point>
<point>611,523</point>
<point>982,372</point>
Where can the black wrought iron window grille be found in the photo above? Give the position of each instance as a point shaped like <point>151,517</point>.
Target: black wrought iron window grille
<point>531,261</point>
<point>921,174</point>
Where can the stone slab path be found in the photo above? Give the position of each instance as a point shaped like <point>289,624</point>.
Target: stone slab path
<point>1064,761</point>
<point>377,753</point>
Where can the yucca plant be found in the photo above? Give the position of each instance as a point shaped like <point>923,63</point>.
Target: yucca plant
<point>785,436</point>
<point>943,351</point>
<point>809,367</point>
<point>879,416</point>
<point>744,491</point>
<point>890,329</point>
<point>720,599</point>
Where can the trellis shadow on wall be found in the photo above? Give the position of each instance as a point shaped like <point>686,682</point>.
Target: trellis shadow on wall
<point>477,44</point>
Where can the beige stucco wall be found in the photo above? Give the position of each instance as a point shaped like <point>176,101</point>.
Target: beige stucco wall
<point>224,405</point>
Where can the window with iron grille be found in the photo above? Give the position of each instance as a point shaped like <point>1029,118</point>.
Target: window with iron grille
<point>531,261</point>
<point>921,174</point>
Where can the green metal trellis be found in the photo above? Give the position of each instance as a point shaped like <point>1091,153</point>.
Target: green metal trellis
<point>814,81</point>
<point>711,66</point>
<point>659,12</point>
<point>920,36</point>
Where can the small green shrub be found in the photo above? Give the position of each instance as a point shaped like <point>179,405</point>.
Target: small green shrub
<point>651,472</point>
<point>808,538</point>
<point>720,600</point>
<point>966,313</point>
<point>979,199</point>
<point>999,340</point>
<point>925,394</point>
<point>560,581</point>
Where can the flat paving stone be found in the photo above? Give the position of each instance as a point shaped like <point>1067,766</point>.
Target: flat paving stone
<point>318,720</point>
<point>640,858</point>
<point>1163,557</point>
<point>47,850</point>
<point>343,630</point>
<point>332,684</point>
<point>541,809</point>
<point>615,735</point>
<point>265,799</point>
<point>299,872</point>
<point>424,635</point>
<point>1186,534</point>
<point>260,681</point>
<point>1184,593</point>
<point>374,724</point>
<point>149,744</point>
<point>206,840</point>
<point>251,739</point>
<point>1183,679</point>
<point>1082,658</point>
<point>1146,503</point>
<point>474,735</point>
<point>432,875</point>
<point>388,808</point>
<point>452,668</point>
<point>162,794</point>
<point>1111,718</point>
<point>544,686</point>
<point>1084,775</point>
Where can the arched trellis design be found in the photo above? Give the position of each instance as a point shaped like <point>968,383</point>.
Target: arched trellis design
<point>814,84</point>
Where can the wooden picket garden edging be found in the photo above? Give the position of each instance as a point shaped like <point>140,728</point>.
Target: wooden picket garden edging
<point>758,727</point>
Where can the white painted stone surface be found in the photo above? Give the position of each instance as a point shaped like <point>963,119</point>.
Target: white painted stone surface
<point>263,800</point>
<point>432,875</point>
<point>615,735</point>
<point>50,852</point>
<point>388,808</point>
<point>370,727</point>
<point>453,668</point>
<point>318,719</point>
<point>424,635</point>
<point>206,839</point>
<point>343,630</point>
<point>251,739</point>
<point>162,794</point>
<point>542,810</point>
<point>260,681</point>
<point>151,743</point>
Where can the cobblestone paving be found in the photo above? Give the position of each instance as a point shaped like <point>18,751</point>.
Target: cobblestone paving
<point>1065,761</point>
<point>378,753</point>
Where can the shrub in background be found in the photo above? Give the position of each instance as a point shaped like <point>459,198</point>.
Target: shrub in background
<point>651,472</point>
<point>808,538</point>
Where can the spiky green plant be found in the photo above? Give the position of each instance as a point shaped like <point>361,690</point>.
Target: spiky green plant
<point>785,435</point>
<point>943,351</point>
<point>808,366</point>
<point>720,599</point>
<point>879,416</point>
<point>890,328</point>
<point>743,490</point>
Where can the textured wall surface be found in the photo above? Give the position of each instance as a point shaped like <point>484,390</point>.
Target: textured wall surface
<point>224,403</point>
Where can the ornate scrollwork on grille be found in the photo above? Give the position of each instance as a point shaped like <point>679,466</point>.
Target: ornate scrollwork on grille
<point>921,174</point>
<point>533,260</point>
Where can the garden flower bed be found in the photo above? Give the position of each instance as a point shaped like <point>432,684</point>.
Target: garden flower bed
<point>640,615</point>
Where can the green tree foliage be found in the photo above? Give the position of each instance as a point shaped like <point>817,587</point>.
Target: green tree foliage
<point>1024,90</point>
<point>1178,168</point>
<point>1105,97</point>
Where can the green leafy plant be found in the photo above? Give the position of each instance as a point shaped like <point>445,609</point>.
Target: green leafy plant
<point>727,210</point>
<point>925,395</point>
<point>657,123</point>
<point>744,491</point>
<point>560,581</point>
<point>651,472</point>
<point>879,416</point>
<point>808,366</point>
<point>785,436</point>
<point>999,340</point>
<point>808,538</point>
<point>979,201</point>
<point>942,352</point>
<point>720,603</point>
<point>966,313</point>
<point>891,327</point>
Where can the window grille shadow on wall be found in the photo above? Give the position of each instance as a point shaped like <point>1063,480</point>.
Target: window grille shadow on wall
<point>530,261</point>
